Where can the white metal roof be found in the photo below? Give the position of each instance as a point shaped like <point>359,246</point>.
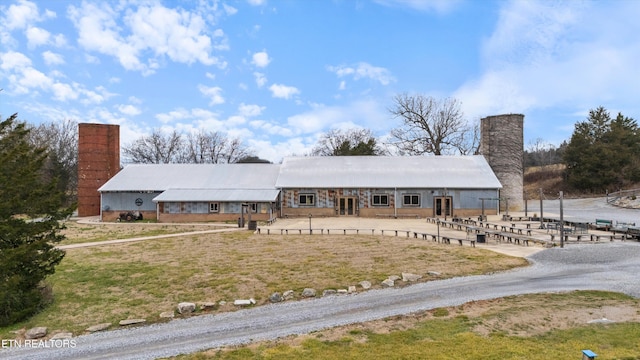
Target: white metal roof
<point>459,172</point>
<point>161,177</point>
<point>222,195</point>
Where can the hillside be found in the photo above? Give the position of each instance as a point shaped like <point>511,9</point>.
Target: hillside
<point>548,178</point>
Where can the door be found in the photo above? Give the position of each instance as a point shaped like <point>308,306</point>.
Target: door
<point>442,206</point>
<point>347,206</point>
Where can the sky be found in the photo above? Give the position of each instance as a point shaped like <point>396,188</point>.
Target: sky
<point>279,73</point>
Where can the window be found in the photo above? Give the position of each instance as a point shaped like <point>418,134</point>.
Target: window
<point>380,200</point>
<point>214,207</point>
<point>411,200</point>
<point>253,207</point>
<point>307,199</point>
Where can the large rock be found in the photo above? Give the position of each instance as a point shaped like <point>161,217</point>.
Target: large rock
<point>308,292</point>
<point>352,289</point>
<point>394,277</point>
<point>365,284</point>
<point>167,315</point>
<point>433,273</point>
<point>288,295</point>
<point>208,305</point>
<point>99,327</point>
<point>388,283</point>
<point>186,308</point>
<point>276,297</point>
<point>329,292</point>
<point>244,302</point>
<point>36,332</point>
<point>131,322</point>
<point>410,277</point>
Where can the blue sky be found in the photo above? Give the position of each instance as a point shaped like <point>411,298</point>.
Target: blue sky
<point>278,73</point>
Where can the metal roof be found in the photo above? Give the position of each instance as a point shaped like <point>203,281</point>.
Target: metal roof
<point>459,172</point>
<point>222,195</point>
<point>161,177</point>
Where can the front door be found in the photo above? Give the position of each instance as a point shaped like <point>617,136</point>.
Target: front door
<point>442,206</point>
<point>347,206</point>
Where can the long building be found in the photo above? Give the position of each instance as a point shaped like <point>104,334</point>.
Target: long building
<point>367,186</point>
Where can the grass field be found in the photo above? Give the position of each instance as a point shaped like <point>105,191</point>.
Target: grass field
<point>143,279</point>
<point>541,326</point>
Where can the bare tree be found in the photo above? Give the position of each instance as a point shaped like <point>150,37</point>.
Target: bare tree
<point>337,142</point>
<point>196,148</point>
<point>61,141</point>
<point>430,126</point>
<point>205,148</point>
<point>236,150</point>
<point>156,148</point>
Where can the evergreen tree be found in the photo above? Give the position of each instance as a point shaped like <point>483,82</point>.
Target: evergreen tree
<point>603,153</point>
<point>31,214</point>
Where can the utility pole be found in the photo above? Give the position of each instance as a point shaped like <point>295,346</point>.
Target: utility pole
<point>541,212</point>
<point>561,223</point>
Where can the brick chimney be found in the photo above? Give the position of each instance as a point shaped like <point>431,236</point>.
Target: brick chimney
<point>98,161</point>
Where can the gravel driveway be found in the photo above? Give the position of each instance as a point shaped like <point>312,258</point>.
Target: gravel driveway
<point>602,266</point>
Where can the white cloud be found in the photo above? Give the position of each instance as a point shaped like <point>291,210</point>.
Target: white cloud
<point>364,70</point>
<point>51,58</point>
<point>365,113</point>
<point>19,15</point>
<point>37,36</point>
<point>250,110</point>
<point>261,79</point>
<point>148,34</point>
<point>256,2</point>
<point>63,92</point>
<point>213,93</point>
<point>565,55</point>
<point>129,109</point>
<point>13,61</point>
<point>261,59</point>
<point>283,91</point>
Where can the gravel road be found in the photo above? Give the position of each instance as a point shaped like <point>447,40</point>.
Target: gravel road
<point>602,266</point>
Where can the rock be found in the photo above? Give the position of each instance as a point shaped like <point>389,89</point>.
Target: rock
<point>62,335</point>
<point>222,303</point>
<point>186,308</point>
<point>208,305</point>
<point>352,289</point>
<point>329,292</point>
<point>433,273</point>
<point>131,322</point>
<point>167,315</point>
<point>288,295</point>
<point>342,291</point>
<point>243,302</point>
<point>36,332</point>
<point>388,283</point>
<point>99,327</point>
<point>600,321</point>
<point>394,277</point>
<point>276,297</point>
<point>410,277</point>
<point>308,292</point>
<point>365,284</point>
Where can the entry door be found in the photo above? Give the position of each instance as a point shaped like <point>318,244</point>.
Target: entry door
<point>442,206</point>
<point>347,206</point>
